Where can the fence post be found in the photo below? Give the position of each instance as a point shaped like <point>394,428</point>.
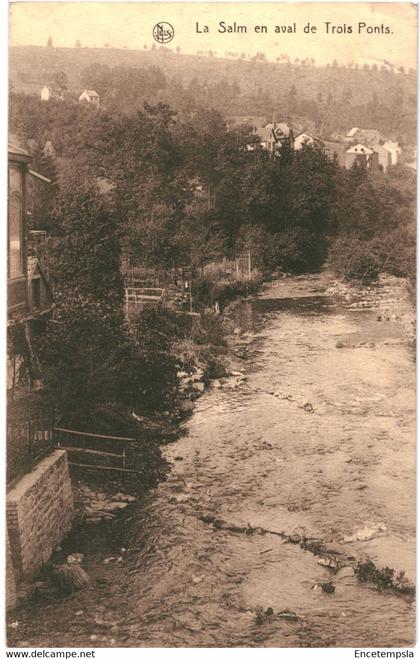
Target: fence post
<point>30,444</point>
<point>52,426</point>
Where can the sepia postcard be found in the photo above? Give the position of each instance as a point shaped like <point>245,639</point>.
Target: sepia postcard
<point>211,287</point>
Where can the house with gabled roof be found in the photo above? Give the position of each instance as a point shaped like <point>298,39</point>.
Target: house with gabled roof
<point>362,155</point>
<point>367,136</point>
<point>351,134</point>
<point>90,96</point>
<point>303,138</point>
<point>274,136</point>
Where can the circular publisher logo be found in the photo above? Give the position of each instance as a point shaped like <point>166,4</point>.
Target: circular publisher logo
<point>163,32</point>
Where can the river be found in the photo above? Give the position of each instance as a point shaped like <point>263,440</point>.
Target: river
<point>318,441</point>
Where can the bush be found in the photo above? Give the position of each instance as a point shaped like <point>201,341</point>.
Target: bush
<point>259,241</point>
<point>299,250</point>
<point>153,362</point>
<point>210,330</point>
<point>357,259</point>
<point>393,253</point>
<point>399,253</point>
<point>214,363</point>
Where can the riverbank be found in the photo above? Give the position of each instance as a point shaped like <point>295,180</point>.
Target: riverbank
<point>259,484</point>
<point>203,361</point>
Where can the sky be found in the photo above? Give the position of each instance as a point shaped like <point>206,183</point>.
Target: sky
<point>130,24</point>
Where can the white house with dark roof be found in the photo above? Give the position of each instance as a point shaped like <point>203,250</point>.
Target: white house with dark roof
<point>90,96</point>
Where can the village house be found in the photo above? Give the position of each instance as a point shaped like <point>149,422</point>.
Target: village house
<point>48,93</point>
<point>384,157</point>
<point>301,139</point>
<point>367,136</point>
<point>350,137</point>
<point>274,136</point>
<point>362,155</point>
<point>395,151</point>
<point>90,96</point>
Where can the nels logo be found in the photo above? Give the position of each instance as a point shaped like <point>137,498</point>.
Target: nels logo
<point>163,32</point>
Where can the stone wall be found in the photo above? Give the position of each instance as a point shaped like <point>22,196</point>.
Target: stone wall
<point>39,514</point>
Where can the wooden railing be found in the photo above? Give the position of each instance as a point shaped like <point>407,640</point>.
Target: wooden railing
<point>88,450</point>
<point>136,298</point>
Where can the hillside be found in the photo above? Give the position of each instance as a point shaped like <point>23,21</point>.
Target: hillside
<point>333,98</point>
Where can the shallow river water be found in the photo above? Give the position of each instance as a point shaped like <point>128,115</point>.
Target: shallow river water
<point>318,441</point>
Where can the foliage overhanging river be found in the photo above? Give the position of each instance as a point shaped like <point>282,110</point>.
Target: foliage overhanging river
<point>331,456</point>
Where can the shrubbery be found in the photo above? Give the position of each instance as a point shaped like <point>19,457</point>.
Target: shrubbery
<point>356,259</point>
<point>393,253</point>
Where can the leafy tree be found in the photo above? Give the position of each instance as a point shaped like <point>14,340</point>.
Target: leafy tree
<point>200,236</point>
<point>60,80</point>
<point>307,205</point>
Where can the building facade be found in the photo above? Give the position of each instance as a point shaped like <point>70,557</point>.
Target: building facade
<point>362,155</point>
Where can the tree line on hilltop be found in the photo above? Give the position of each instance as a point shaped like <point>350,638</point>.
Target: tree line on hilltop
<point>328,99</point>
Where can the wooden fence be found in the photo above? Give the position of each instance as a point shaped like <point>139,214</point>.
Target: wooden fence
<point>137,298</point>
<point>240,268</point>
<point>88,450</point>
